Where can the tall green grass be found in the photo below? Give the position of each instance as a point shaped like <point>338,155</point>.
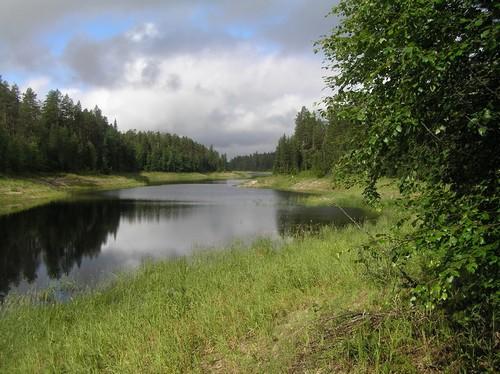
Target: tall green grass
<point>266,308</point>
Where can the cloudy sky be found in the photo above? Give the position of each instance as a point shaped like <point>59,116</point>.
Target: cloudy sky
<point>232,73</point>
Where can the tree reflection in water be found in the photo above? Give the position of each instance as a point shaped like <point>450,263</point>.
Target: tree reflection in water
<point>88,238</point>
<point>60,235</point>
<point>300,220</point>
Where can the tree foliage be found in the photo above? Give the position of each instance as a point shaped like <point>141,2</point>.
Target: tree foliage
<point>316,145</point>
<point>420,79</point>
<point>58,135</point>
<point>254,162</point>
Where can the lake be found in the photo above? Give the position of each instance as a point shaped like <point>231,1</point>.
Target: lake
<point>84,240</point>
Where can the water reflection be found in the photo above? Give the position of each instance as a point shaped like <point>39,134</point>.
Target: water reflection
<point>297,220</point>
<point>87,239</point>
<point>59,236</point>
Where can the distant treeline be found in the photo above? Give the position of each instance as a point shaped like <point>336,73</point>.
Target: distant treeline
<point>253,162</point>
<point>58,135</point>
<point>316,145</point>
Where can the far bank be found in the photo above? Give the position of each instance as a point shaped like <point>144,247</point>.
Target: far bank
<point>20,192</point>
<point>324,191</point>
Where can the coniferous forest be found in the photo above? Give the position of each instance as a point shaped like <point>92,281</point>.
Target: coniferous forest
<point>57,134</point>
<point>254,162</point>
<point>316,145</point>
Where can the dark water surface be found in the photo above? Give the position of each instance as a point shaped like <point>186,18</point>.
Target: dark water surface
<point>89,238</point>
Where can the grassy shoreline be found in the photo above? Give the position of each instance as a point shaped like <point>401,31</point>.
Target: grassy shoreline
<point>20,192</point>
<point>321,191</point>
<point>301,305</point>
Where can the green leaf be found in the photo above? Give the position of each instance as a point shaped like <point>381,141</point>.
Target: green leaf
<point>440,129</point>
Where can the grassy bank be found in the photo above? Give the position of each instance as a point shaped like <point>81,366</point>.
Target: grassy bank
<point>22,192</point>
<point>302,305</point>
<point>322,191</point>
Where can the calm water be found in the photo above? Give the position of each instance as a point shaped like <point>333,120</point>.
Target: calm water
<point>88,239</point>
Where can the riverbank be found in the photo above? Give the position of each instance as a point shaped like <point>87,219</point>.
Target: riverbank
<point>323,191</point>
<point>20,192</point>
<point>306,304</point>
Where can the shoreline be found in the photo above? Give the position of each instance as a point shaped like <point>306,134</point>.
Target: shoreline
<point>22,192</point>
<point>323,192</point>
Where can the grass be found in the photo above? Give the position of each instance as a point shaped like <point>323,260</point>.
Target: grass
<point>322,191</point>
<point>300,305</point>
<point>20,192</point>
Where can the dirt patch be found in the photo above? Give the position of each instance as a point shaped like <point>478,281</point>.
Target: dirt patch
<point>66,182</point>
<point>251,183</point>
<point>13,192</point>
<point>315,185</point>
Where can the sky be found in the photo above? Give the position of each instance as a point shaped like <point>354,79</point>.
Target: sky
<point>227,73</point>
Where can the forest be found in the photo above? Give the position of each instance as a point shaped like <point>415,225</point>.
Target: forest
<point>253,162</point>
<point>57,135</point>
<point>317,144</point>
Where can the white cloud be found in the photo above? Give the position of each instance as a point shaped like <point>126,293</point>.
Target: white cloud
<point>134,70</point>
<point>239,100</point>
<point>39,84</point>
<point>146,31</point>
<point>228,73</point>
